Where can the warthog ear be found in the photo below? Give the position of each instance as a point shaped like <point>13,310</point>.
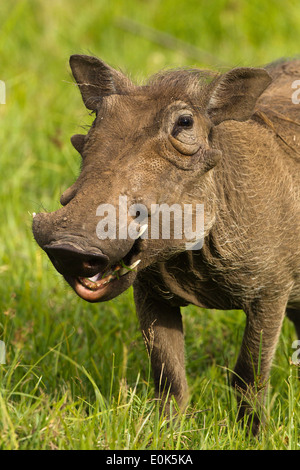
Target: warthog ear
<point>234,94</point>
<point>96,79</point>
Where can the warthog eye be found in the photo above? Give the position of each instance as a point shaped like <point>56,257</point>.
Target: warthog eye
<point>186,120</point>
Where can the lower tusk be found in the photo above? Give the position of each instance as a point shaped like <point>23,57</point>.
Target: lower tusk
<point>134,265</point>
<point>126,269</point>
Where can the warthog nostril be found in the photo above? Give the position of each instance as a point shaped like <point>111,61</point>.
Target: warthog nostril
<point>94,263</point>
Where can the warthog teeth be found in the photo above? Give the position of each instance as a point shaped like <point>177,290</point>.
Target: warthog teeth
<point>33,215</point>
<point>94,278</point>
<point>134,265</point>
<point>100,279</point>
<point>142,230</point>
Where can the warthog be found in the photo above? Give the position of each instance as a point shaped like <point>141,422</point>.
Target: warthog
<point>229,142</point>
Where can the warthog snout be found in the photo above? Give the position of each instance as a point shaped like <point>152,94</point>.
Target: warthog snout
<point>70,260</point>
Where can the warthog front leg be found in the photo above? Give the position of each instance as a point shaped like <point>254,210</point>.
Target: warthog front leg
<point>161,326</point>
<point>252,369</point>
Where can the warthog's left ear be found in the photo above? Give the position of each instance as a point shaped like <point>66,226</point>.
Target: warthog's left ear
<point>96,79</point>
<point>234,94</point>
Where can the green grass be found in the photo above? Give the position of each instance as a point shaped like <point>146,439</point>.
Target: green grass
<point>77,375</point>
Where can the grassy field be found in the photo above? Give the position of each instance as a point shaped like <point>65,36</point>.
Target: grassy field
<point>77,375</point>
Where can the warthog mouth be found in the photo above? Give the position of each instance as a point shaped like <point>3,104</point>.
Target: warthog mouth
<point>94,276</point>
<point>104,284</point>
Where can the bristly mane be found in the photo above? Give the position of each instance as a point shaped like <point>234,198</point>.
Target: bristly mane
<point>182,83</point>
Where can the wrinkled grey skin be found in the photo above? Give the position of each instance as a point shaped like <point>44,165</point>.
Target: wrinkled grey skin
<point>239,156</point>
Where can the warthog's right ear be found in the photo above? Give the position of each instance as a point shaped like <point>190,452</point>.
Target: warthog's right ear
<point>96,79</point>
<point>234,94</point>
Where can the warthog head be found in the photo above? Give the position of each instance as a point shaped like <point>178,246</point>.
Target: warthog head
<point>148,146</point>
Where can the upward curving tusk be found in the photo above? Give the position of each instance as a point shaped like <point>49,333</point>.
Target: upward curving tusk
<point>142,230</point>
<point>126,269</point>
